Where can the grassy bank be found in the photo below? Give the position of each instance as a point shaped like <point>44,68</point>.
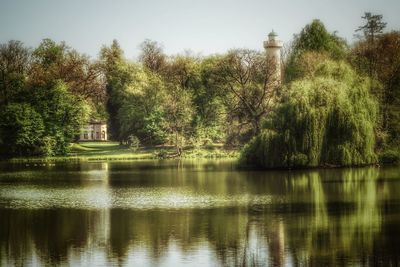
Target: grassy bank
<point>103,151</point>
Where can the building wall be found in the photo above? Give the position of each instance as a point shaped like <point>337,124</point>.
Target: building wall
<point>94,131</point>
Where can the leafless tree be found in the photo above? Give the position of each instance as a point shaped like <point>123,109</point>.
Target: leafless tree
<point>249,81</point>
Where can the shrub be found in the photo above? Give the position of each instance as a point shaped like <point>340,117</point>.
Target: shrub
<point>389,157</point>
<point>133,142</point>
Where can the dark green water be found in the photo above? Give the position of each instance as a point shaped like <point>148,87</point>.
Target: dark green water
<point>197,213</point>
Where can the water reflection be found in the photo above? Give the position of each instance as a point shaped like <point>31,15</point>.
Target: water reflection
<point>198,214</point>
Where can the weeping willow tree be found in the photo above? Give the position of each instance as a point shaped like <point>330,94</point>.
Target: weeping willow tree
<point>325,118</point>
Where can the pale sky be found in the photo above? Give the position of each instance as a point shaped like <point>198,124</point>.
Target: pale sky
<point>203,26</point>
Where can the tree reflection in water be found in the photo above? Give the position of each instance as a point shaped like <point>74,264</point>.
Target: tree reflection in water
<point>330,217</point>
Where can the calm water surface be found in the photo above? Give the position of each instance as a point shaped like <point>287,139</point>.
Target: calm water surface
<point>197,213</point>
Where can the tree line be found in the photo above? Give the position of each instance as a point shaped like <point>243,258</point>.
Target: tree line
<point>338,103</point>
<point>46,94</point>
<point>186,99</point>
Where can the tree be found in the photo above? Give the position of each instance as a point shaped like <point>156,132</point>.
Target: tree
<point>373,26</point>
<point>365,51</point>
<point>152,56</point>
<point>183,71</point>
<point>141,113</point>
<point>111,57</point>
<point>211,113</point>
<point>388,64</point>
<point>62,113</point>
<point>246,79</point>
<point>52,61</point>
<point>14,65</point>
<point>178,110</point>
<point>325,119</point>
<point>113,62</point>
<point>49,91</point>
<point>380,60</point>
<point>313,38</point>
<point>377,54</point>
<point>193,74</point>
<point>21,130</point>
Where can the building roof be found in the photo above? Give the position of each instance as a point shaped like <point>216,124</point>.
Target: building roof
<point>273,33</point>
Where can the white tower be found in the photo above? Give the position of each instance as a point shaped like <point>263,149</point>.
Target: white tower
<point>273,48</point>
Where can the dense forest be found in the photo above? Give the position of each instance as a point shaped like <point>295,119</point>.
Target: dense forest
<point>338,103</point>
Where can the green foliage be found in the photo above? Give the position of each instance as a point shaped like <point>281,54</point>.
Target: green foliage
<point>153,131</point>
<point>178,110</point>
<point>49,145</point>
<point>110,57</point>
<point>389,156</point>
<point>53,61</point>
<point>133,142</point>
<point>324,115</point>
<point>21,130</point>
<point>378,56</point>
<point>112,62</point>
<point>141,97</point>
<point>14,59</point>
<point>327,119</point>
<point>49,52</point>
<point>45,126</point>
<point>314,38</point>
<point>241,86</point>
<point>45,96</point>
<point>62,112</point>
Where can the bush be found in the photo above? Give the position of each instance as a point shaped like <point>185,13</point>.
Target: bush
<point>161,154</point>
<point>48,146</point>
<point>389,157</point>
<point>133,142</point>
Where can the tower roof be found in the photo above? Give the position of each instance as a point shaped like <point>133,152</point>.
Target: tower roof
<point>273,41</point>
<point>273,33</point>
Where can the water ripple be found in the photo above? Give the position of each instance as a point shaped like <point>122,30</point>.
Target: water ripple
<point>33,197</point>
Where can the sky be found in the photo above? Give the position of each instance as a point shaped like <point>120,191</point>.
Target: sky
<point>202,26</point>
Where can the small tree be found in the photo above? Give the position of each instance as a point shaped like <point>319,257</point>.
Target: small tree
<point>178,110</point>
<point>133,142</point>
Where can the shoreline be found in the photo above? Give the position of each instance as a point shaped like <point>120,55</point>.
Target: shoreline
<point>112,151</point>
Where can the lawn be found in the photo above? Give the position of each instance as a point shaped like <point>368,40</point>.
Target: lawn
<point>107,150</point>
<point>100,151</point>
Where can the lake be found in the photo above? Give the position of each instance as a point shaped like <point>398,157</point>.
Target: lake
<point>197,213</point>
